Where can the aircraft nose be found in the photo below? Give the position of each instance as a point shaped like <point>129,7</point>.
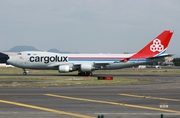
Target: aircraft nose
<point>11,60</point>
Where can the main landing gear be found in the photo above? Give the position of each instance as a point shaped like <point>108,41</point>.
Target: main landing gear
<point>84,73</point>
<point>25,72</point>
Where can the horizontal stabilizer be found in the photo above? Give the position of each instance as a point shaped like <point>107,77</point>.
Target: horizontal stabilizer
<point>164,55</point>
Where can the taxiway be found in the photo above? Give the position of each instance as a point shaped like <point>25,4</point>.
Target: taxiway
<point>119,101</point>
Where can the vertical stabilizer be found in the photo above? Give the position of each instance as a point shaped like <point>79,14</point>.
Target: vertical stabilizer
<point>156,47</point>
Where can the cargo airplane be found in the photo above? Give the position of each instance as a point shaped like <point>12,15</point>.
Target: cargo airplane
<point>85,64</point>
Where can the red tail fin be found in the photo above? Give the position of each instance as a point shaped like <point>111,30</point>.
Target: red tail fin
<point>156,47</point>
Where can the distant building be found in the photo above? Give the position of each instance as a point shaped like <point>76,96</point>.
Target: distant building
<point>169,59</point>
<point>168,63</point>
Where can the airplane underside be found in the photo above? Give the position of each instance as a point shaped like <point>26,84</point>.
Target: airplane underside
<point>110,66</point>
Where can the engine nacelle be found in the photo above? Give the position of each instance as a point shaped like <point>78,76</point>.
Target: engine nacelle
<point>64,69</point>
<point>86,67</point>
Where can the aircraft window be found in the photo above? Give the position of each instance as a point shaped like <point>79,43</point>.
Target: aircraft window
<point>19,54</point>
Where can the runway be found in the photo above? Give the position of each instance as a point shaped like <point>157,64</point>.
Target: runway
<point>119,101</point>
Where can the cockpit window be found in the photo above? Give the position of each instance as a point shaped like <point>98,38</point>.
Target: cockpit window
<point>19,53</point>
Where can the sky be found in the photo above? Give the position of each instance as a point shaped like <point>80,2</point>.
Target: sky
<point>88,26</point>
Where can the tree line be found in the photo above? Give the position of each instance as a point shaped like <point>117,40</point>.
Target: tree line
<point>176,61</point>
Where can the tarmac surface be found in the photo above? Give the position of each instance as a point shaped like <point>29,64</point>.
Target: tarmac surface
<point>148,100</point>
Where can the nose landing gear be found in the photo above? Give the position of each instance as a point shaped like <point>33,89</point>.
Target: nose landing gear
<point>25,72</point>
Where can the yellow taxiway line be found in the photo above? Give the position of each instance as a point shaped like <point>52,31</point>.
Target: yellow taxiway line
<point>150,97</point>
<point>45,109</point>
<point>113,103</point>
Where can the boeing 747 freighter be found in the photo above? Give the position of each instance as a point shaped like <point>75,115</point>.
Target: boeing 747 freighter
<point>85,64</point>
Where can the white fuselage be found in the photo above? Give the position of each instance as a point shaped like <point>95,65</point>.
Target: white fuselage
<point>48,60</point>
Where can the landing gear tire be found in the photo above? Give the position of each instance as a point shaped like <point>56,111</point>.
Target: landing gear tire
<point>81,73</point>
<point>85,73</point>
<point>24,73</point>
<point>88,73</point>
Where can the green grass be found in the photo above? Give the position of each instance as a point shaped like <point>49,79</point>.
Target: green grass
<point>32,81</point>
<point>56,81</point>
<point>146,71</point>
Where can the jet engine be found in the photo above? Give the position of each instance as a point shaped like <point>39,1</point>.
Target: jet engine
<point>86,67</point>
<point>64,69</point>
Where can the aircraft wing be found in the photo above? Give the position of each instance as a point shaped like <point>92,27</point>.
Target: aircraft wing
<point>74,64</point>
<point>58,64</point>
